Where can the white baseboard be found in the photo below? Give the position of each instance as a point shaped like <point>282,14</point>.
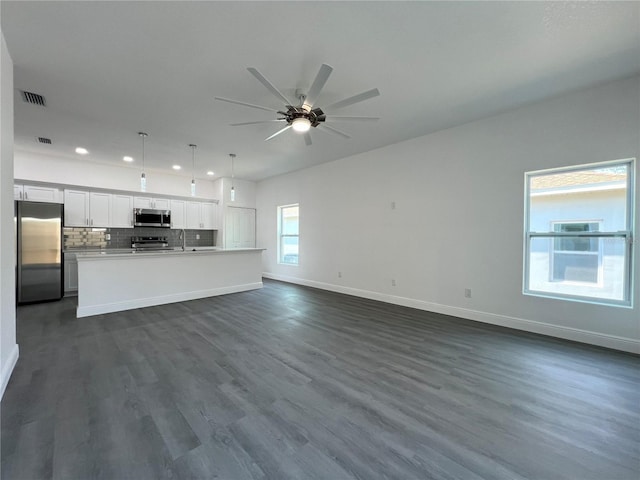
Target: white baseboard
<point>7,369</point>
<point>87,311</point>
<point>534,326</point>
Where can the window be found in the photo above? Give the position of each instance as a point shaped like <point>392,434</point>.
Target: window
<point>578,233</point>
<point>288,232</point>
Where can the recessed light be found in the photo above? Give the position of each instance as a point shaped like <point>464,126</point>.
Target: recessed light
<point>177,167</point>
<point>127,159</point>
<point>82,150</point>
<point>210,172</point>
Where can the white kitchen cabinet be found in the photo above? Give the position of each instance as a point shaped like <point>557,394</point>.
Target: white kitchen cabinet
<point>142,202</point>
<point>99,209</point>
<point>37,193</point>
<point>121,211</point>
<point>202,215</point>
<point>76,208</point>
<point>178,214</point>
<point>70,274</point>
<point>240,228</point>
<point>194,211</point>
<point>161,203</point>
<point>150,202</point>
<point>87,209</point>
<point>209,216</point>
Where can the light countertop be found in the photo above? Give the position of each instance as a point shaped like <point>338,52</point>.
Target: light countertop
<point>117,253</point>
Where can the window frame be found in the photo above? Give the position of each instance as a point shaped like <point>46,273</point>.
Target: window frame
<point>627,235</point>
<point>282,236</point>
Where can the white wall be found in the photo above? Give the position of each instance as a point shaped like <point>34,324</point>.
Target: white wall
<point>458,217</point>
<point>8,346</point>
<point>42,168</point>
<point>245,193</point>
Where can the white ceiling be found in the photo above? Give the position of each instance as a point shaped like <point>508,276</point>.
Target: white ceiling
<point>111,69</point>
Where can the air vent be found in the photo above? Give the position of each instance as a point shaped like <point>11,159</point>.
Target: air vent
<point>44,140</point>
<point>33,98</point>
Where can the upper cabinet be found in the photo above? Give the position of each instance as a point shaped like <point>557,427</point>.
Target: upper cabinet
<point>87,209</point>
<point>121,211</point>
<point>202,216</point>
<point>178,213</point>
<point>161,203</point>
<point>209,216</point>
<point>194,220</point>
<point>100,209</point>
<point>150,202</point>
<point>76,208</point>
<point>36,193</point>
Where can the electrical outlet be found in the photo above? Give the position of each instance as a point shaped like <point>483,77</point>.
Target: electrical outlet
<point>197,236</point>
<point>393,205</point>
<point>339,274</point>
<point>393,282</point>
<point>467,293</point>
<point>107,236</point>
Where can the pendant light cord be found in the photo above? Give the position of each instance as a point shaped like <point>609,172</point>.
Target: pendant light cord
<point>233,156</point>
<point>143,135</point>
<point>193,161</point>
<point>233,190</point>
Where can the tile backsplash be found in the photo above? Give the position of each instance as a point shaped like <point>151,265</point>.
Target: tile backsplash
<point>87,237</point>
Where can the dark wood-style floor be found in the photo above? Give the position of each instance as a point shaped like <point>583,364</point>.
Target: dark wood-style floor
<point>291,382</point>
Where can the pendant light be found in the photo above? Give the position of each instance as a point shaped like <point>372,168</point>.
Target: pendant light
<point>233,190</point>
<point>193,169</point>
<point>143,178</point>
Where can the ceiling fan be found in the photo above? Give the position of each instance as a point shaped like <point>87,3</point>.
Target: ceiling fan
<point>304,115</point>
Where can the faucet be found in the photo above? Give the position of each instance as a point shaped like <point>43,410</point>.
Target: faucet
<point>183,237</point>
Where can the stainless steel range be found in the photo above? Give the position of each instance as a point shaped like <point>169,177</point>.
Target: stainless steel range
<point>144,244</point>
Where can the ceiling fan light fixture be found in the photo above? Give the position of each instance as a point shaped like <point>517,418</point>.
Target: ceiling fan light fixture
<point>301,124</point>
<point>305,114</point>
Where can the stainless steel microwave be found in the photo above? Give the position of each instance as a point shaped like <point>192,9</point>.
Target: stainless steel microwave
<point>146,217</point>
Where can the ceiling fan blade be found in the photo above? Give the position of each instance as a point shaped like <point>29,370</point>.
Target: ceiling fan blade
<point>353,119</point>
<point>307,139</point>
<point>254,123</point>
<point>324,126</point>
<point>355,99</point>
<point>245,104</point>
<point>278,133</point>
<point>318,84</point>
<point>263,80</point>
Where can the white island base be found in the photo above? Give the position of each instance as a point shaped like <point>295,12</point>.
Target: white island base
<point>124,281</point>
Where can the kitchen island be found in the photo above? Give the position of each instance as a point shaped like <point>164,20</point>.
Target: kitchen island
<point>112,282</point>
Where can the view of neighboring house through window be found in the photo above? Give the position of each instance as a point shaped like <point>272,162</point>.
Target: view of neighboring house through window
<point>288,233</point>
<point>578,233</point>
<point>576,259</point>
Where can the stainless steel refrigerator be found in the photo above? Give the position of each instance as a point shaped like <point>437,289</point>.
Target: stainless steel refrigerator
<point>39,260</point>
